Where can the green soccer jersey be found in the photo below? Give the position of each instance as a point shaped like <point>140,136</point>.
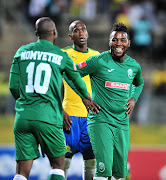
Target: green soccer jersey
<point>111,81</point>
<point>36,73</point>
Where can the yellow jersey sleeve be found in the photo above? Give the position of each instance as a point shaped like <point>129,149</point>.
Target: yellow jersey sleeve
<point>72,102</point>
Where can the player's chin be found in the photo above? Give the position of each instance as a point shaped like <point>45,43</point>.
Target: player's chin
<point>119,55</point>
<point>82,43</point>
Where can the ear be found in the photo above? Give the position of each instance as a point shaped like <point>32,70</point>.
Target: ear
<point>129,43</point>
<point>70,37</point>
<point>87,35</point>
<point>36,33</point>
<point>55,34</point>
<point>109,43</point>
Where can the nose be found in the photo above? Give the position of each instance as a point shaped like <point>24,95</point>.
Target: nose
<point>80,32</point>
<point>119,42</point>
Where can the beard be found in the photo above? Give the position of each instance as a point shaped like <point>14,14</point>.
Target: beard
<point>117,57</point>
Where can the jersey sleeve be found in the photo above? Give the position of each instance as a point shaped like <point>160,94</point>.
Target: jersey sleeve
<point>14,79</point>
<point>88,66</point>
<point>73,76</point>
<point>138,83</point>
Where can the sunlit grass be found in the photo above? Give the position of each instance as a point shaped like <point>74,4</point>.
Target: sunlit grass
<point>6,129</point>
<point>4,90</point>
<point>154,134</point>
<point>148,135</point>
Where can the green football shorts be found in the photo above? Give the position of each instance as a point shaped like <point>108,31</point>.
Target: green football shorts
<point>30,134</point>
<point>110,146</point>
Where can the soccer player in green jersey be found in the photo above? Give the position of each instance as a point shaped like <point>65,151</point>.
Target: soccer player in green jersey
<point>35,82</point>
<point>112,73</point>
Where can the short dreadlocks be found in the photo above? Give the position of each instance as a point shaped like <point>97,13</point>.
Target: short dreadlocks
<point>120,27</point>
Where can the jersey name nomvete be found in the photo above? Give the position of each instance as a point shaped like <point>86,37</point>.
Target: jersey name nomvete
<point>41,56</point>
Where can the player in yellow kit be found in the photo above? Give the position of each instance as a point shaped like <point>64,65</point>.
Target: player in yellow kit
<point>77,139</point>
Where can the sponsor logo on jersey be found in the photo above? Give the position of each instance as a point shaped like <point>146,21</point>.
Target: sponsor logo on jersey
<point>130,73</point>
<point>101,167</point>
<point>117,85</point>
<point>110,70</point>
<point>82,64</point>
<point>73,57</point>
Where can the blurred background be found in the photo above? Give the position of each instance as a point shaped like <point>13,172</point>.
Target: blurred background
<point>145,20</point>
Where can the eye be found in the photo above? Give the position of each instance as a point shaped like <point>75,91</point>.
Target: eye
<point>124,40</point>
<point>114,40</point>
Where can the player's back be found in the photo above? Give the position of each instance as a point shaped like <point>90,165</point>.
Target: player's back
<point>40,67</point>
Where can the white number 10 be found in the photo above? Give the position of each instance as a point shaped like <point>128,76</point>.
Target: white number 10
<point>42,67</point>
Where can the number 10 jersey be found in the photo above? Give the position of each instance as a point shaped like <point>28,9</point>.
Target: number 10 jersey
<point>39,67</point>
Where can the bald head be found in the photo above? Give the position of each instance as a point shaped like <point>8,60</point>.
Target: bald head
<point>45,27</point>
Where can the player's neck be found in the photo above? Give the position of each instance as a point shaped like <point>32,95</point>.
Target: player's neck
<point>82,48</point>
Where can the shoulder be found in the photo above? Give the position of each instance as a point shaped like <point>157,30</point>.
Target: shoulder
<point>133,62</point>
<point>67,48</point>
<point>103,55</point>
<point>60,51</point>
<point>93,52</point>
<point>99,58</point>
<point>23,48</point>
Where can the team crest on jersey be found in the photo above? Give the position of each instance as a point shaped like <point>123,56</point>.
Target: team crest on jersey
<point>101,167</point>
<point>68,149</point>
<point>130,73</point>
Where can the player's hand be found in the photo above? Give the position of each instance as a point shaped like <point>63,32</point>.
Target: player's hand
<point>90,104</point>
<point>130,106</point>
<point>66,121</point>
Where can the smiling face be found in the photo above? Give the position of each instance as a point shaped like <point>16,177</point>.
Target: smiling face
<point>79,35</point>
<point>119,43</point>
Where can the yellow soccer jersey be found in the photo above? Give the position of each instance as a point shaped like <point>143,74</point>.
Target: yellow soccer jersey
<point>72,102</point>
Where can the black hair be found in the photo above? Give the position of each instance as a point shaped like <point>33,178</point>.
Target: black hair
<point>71,26</point>
<point>120,27</point>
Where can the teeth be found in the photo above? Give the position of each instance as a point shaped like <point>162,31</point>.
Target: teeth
<point>119,49</point>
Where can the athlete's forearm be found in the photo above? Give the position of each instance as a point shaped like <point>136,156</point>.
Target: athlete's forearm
<point>81,86</point>
<point>136,91</point>
<point>78,86</point>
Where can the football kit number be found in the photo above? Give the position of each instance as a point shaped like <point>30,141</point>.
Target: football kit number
<point>42,68</point>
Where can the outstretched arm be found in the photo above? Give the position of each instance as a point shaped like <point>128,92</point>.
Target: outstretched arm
<point>78,85</point>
